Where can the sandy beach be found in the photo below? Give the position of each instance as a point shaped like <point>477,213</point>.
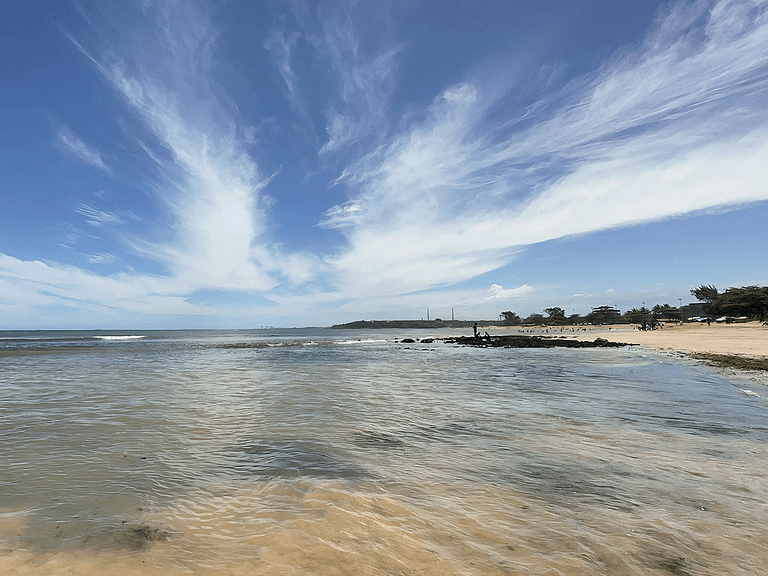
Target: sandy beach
<point>748,339</point>
<point>743,346</point>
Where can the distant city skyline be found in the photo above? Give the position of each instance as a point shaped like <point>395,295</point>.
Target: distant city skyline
<point>171,164</point>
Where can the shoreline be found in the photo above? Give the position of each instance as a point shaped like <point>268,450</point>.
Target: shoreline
<point>739,346</point>
<point>742,347</point>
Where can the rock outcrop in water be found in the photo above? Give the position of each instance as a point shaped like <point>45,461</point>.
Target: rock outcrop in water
<point>520,341</point>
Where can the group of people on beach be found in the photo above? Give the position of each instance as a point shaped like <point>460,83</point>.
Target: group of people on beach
<point>477,334</point>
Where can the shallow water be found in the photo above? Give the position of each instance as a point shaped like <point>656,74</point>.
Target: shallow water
<point>331,452</point>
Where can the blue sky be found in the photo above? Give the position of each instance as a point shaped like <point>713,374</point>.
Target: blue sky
<point>168,164</point>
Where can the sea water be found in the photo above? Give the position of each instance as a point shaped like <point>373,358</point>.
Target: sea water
<point>330,452</point>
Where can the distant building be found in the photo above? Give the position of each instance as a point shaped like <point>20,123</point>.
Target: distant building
<point>694,310</point>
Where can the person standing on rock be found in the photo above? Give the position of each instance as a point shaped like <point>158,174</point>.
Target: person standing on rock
<point>474,329</point>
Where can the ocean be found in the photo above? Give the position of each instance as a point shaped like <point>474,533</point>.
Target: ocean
<point>333,452</point>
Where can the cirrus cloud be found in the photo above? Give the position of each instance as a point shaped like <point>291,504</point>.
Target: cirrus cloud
<point>675,126</point>
<point>88,154</point>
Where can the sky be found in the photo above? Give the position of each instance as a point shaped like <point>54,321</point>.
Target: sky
<point>239,164</point>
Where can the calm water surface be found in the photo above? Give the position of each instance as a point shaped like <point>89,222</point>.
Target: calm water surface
<point>332,452</point>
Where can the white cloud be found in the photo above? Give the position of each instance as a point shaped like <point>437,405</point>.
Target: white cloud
<point>27,284</point>
<point>81,150</point>
<point>101,258</point>
<point>211,185</point>
<point>496,292</point>
<point>98,218</point>
<point>281,47</point>
<point>674,126</point>
<point>365,85</point>
<point>677,126</point>
<point>340,215</point>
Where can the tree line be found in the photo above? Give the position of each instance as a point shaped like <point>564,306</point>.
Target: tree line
<point>747,301</point>
<point>555,316</point>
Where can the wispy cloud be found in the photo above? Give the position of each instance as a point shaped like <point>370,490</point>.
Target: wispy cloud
<point>36,284</point>
<point>88,154</point>
<point>365,85</point>
<point>446,193</point>
<point>281,47</point>
<point>212,186</point>
<point>675,126</point>
<point>362,81</point>
<point>101,258</point>
<point>98,218</point>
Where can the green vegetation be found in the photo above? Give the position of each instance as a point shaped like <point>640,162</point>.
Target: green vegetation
<point>666,312</point>
<point>705,293</point>
<point>748,301</point>
<point>509,318</point>
<point>640,316</point>
<point>535,319</point>
<point>604,315</point>
<point>556,316</point>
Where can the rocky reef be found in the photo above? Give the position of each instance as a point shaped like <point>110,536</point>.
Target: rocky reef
<point>521,341</point>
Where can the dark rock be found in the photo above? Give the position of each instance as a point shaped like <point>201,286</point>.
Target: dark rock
<point>520,341</point>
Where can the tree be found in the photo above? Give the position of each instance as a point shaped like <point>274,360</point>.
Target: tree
<point>639,315</point>
<point>534,319</point>
<point>603,315</point>
<point>665,312</point>
<point>575,319</point>
<point>750,301</point>
<point>705,293</point>
<point>509,318</point>
<point>556,315</point>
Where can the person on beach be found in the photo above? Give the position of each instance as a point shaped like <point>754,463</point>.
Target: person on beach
<point>474,329</point>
